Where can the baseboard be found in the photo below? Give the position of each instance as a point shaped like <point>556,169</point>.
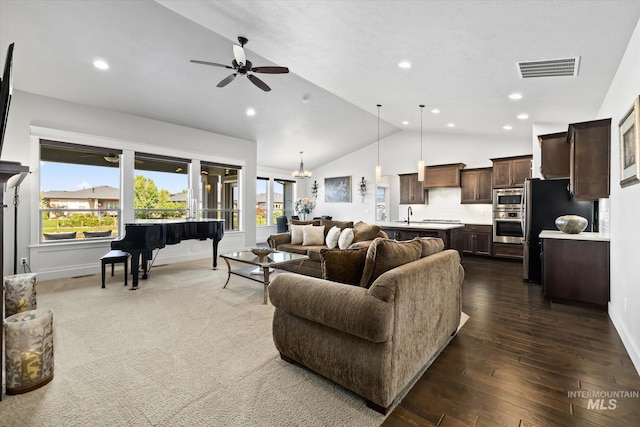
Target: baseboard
<point>627,340</point>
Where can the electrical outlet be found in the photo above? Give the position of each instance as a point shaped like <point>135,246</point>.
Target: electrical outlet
<point>24,260</point>
<point>625,305</point>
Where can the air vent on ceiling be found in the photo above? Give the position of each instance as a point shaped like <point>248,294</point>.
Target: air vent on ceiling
<point>549,68</point>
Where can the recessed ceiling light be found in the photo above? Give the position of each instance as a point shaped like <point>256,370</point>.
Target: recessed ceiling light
<point>435,111</point>
<point>404,122</point>
<point>101,64</point>
<point>451,125</point>
<point>404,64</point>
<point>523,116</point>
<point>507,127</point>
<point>251,112</point>
<point>515,96</point>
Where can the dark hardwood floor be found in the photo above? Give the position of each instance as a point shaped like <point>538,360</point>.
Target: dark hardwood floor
<point>517,359</point>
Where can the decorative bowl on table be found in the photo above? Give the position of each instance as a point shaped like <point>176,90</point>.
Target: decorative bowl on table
<point>261,253</point>
<point>571,224</point>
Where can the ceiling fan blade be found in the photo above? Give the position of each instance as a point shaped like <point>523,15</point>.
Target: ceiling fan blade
<point>270,70</point>
<point>211,63</point>
<point>256,81</point>
<point>227,80</point>
<point>238,53</point>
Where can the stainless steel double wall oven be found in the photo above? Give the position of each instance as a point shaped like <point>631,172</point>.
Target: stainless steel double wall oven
<point>507,215</point>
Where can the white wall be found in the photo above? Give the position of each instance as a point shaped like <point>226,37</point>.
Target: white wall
<point>399,153</point>
<point>65,260</point>
<point>624,308</point>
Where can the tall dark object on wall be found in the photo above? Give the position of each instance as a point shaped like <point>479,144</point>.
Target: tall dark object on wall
<point>6,89</point>
<point>542,202</point>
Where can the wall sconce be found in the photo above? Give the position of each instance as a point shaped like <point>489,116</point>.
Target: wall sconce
<point>314,190</point>
<point>363,188</point>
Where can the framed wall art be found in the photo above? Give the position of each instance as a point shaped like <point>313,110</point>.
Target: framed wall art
<point>629,129</point>
<point>337,190</point>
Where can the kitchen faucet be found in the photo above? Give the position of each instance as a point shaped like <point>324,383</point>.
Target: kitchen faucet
<point>409,212</point>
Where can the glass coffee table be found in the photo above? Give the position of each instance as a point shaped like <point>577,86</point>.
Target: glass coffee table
<point>263,267</point>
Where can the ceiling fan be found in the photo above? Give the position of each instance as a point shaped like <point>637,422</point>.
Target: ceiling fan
<point>241,65</point>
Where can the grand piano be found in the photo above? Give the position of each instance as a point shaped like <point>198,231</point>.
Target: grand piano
<point>143,236</point>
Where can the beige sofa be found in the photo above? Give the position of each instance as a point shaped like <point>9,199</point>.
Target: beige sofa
<point>375,340</point>
<point>363,235</point>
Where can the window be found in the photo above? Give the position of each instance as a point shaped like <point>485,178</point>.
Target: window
<point>219,193</point>
<point>79,191</point>
<point>161,187</point>
<point>262,200</point>
<point>282,204</point>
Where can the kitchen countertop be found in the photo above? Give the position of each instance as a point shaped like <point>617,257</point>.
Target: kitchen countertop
<point>585,235</point>
<point>421,225</point>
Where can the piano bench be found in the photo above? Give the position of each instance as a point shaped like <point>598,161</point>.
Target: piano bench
<point>114,257</point>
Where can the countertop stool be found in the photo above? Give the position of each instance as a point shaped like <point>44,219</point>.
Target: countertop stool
<point>114,257</point>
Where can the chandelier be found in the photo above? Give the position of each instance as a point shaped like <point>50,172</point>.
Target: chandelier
<point>301,173</point>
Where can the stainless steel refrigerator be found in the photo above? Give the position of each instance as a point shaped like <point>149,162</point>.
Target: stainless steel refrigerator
<point>543,200</point>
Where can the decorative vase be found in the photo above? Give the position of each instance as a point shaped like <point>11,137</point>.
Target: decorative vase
<point>20,293</point>
<point>571,224</point>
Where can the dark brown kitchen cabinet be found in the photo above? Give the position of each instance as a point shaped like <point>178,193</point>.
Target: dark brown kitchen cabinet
<point>452,238</point>
<point>511,171</point>
<point>589,159</point>
<point>508,250</point>
<point>476,185</point>
<point>411,190</point>
<point>477,239</point>
<point>443,176</point>
<point>554,155</point>
<point>576,270</point>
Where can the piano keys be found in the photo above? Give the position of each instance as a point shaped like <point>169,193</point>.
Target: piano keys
<point>143,236</point>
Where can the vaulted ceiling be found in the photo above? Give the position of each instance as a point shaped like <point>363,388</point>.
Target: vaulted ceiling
<point>343,58</point>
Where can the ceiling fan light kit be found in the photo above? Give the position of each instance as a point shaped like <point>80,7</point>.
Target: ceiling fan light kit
<point>241,65</point>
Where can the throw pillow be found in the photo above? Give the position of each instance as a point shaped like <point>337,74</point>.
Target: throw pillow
<point>346,238</point>
<point>343,266</point>
<point>329,223</point>
<point>332,237</point>
<point>363,231</point>
<point>430,245</point>
<point>385,254</point>
<point>313,235</point>
<point>297,233</point>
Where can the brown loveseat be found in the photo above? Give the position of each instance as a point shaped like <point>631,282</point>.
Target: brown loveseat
<point>375,339</point>
<point>363,235</point>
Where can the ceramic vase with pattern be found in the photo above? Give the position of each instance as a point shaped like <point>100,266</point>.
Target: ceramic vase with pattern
<point>19,293</point>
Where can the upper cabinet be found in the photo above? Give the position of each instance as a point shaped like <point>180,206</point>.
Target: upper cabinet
<point>443,176</point>
<point>554,155</point>
<point>589,159</point>
<point>411,190</point>
<point>511,171</point>
<point>476,185</point>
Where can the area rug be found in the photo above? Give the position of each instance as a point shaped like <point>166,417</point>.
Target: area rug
<point>179,351</point>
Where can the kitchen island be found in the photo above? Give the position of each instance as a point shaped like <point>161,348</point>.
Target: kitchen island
<point>449,232</point>
<point>575,267</point>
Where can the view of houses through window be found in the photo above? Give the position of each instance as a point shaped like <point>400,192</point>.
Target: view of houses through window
<point>272,204</point>
<point>80,191</point>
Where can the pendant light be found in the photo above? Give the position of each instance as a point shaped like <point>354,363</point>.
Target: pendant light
<point>421,162</point>
<point>378,167</point>
<point>301,173</point>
